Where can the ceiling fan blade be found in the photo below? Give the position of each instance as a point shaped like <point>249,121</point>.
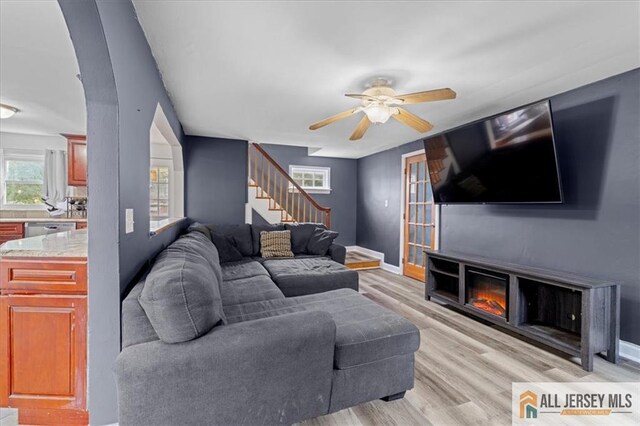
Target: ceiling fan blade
<point>333,119</point>
<point>361,96</point>
<point>412,120</point>
<point>363,125</point>
<point>428,96</point>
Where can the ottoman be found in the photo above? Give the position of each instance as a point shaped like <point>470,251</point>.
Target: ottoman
<point>301,276</point>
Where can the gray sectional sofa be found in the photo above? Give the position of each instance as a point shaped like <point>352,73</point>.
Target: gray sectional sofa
<point>205,343</point>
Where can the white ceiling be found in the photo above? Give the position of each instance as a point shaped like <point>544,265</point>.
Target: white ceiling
<point>38,69</point>
<point>264,71</point>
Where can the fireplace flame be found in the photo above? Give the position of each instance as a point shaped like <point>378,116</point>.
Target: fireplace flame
<point>489,301</point>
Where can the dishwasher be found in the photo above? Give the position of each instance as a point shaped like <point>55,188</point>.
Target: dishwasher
<point>33,229</point>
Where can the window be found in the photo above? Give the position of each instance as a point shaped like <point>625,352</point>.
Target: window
<point>22,179</point>
<point>312,179</point>
<point>159,191</point>
<point>166,175</point>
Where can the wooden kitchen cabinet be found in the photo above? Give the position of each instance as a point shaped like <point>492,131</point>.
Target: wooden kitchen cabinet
<point>43,339</point>
<point>76,160</point>
<point>11,231</point>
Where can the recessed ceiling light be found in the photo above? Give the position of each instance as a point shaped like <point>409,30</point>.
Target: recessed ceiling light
<point>7,111</point>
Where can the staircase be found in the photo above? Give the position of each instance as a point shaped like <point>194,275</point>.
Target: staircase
<point>276,196</point>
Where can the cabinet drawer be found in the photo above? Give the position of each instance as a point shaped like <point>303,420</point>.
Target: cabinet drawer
<point>12,229</point>
<point>43,275</point>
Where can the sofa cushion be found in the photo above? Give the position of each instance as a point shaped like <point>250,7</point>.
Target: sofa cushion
<point>240,233</point>
<point>245,268</point>
<point>197,243</point>
<point>226,246</point>
<point>181,295</point>
<point>198,227</point>
<point>250,289</point>
<point>308,275</point>
<point>320,241</point>
<point>365,331</point>
<point>275,244</point>
<point>255,234</point>
<point>300,234</point>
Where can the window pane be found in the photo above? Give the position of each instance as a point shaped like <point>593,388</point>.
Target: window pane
<point>296,176</point>
<point>420,191</point>
<point>427,236</point>
<point>420,214</point>
<point>163,191</point>
<point>421,171</point>
<point>318,183</point>
<point>308,183</point>
<point>412,193</point>
<point>418,239</point>
<point>412,233</point>
<point>429,194</point>
<point>429,219</point>
<point>24,170</point>
<point>412,212</point>
<point>308,176</point>
<point>153,174</point>
<point>412,172</point>
<point>163,174</point>
<point>412,252</point>
<point>23,193</point>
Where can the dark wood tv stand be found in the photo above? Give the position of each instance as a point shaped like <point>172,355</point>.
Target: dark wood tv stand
<point>576,315</point>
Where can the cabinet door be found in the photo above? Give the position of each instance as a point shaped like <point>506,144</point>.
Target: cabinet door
<point>11,231</point>
<point>43,357</point>
<point>77,161</point>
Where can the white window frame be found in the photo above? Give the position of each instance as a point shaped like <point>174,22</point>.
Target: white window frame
<point>325,171</point>
<point>17,155</point>
<point>161,162</point>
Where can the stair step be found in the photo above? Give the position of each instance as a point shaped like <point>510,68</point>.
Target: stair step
<point>358,261</point>
<point>263,198</point>
<point>276,209</point>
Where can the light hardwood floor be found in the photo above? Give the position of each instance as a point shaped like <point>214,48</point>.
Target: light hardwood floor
<point>464,368</point>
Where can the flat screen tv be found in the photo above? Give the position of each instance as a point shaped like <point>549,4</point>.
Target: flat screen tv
<point>507,158</point>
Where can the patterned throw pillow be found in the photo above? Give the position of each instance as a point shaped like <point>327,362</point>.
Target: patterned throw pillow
<point>275,244</point>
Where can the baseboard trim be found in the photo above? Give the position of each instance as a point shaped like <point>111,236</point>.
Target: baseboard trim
<point>391,268</point>
<point>368,252</point>
<point>630,351</point>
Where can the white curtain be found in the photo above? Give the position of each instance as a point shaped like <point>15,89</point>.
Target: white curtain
<point>54,187</point>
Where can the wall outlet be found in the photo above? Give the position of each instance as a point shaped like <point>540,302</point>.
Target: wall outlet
<point>128,219</point>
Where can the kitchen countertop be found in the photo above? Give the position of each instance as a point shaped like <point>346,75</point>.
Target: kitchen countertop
<point>42,219</point>
<point>61,244</point>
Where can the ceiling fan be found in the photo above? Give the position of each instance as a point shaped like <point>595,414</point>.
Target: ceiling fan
<point>380,102</point>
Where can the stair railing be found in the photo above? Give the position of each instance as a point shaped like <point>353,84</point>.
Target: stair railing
<point>273,182</point>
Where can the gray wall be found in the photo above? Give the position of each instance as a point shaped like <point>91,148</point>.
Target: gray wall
<point>215,179</point>
<point>122,88</point>
<point>594,233</point>
<point>341,200</point>
<point>379,179</point>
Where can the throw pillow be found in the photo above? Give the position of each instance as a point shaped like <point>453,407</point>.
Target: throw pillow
<point>226,248</point>
<point>300,234</point>
<point>256,230</point>
<point>275,244</point>
<point>241,235</point>
<point>320,241</point>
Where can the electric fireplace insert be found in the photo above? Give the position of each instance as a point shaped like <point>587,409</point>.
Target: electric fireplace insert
<point>487,291</point>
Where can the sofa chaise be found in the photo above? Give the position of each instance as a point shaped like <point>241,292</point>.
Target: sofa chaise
<point>207,344</point>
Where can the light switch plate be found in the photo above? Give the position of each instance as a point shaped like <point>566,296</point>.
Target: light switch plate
<point>128,219</point>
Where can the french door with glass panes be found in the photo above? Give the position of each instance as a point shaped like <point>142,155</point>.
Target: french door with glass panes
<point>418,216</point>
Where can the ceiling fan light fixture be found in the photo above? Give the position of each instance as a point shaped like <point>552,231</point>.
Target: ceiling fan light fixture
<point>378,113</point>
<point>7,111</point>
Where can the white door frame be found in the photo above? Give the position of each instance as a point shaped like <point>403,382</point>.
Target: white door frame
<point>403,205</point>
